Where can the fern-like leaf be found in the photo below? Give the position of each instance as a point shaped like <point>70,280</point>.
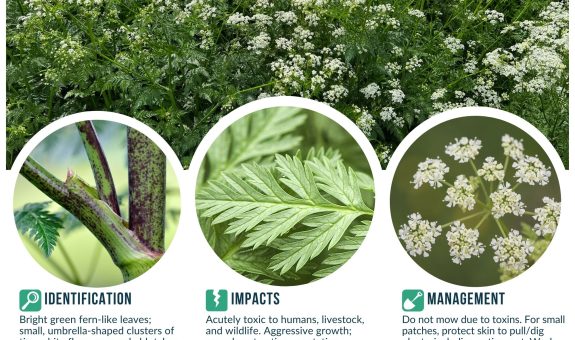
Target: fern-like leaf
<point>344,249</point>
<point>261,134</point>
<point>41,225</point>
<point>308,205</point>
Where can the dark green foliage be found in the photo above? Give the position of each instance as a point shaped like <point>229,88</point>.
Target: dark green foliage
<point>41,225</point>
<point>179,67</point>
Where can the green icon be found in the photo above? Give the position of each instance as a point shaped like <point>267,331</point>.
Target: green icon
<point>412,300</point>
<point>30,300</point>
<point>216,300</point>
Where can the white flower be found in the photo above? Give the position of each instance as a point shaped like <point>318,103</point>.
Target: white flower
<point>547,217</point>
<point>416,13</point>
<point>511,252</point>
<point>463,243</point>
<point>387,113</point>
<point>259,43</point>
<point>302,33</point>
<point>284,43</point>
<point>532,171</point>
<point>397,96</point>
<point>238,19</point>
<point>288,18</point>
<point>438,94</point>
<point>335,93</point>
<point>413,63</point>
<point>371,91</point>
<point>493,16</point>
<point>463,149</point>
<point>430,171</point>
<point>262,20</point>
<point>453,44</point>
<point>365,122</point>
<point>419,235</point>
<point>506,201</point>
<point>470,66</point>
<point>491,170</point>
<point>338,32</point>
<point>461,194</point>
<point>512,147</point>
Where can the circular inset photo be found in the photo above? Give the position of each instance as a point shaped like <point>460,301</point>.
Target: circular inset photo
<point>285,196</point>
<point>96,203</point>
<point>475,201</point>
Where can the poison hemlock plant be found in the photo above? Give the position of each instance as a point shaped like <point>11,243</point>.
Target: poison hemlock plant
<point>286,218</point>
<point>493,219</point>
<point>134,244</point>
<point>178,66</point>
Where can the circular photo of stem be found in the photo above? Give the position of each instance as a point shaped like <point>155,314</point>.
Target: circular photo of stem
<point>96,203</point>
<point>475,201</point>
<point>285,196</point>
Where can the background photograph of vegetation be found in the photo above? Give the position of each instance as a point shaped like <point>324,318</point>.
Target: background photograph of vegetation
<point>475,201</point>
<point>96,203</point>
<point>179,66</point>
<point>285,196</point>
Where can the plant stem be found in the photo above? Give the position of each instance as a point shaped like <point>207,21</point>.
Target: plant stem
<point>463,218</point>
<point>93,263</point>
<point>147,190</point>
<point>128,253</point>
<point>480,180</point>
<point>99,164</point>
<point>501,228</point>
<point>75,276</point>
<point>482,220</point>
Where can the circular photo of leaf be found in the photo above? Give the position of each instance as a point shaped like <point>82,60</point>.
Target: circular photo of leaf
<point>285,196</point>
<point>475,201</point>
<point>96,203</point>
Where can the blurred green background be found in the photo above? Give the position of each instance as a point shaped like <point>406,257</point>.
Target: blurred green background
<point>78,257</point>
<point>482,271</point>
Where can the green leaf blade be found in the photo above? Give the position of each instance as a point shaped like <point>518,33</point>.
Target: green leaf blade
<point>41,225</point>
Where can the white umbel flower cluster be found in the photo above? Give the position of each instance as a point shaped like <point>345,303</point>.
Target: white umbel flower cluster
<point>453,44</point>
<point>365,122</point>
<point>463,149</point>
<point>506,201</point>
<point>371,91</point>
<point>547,217</point>
<point>531,170</point>
<point>419,235</point>
<point>512,147</point>
<point>511,252</point>
<point>494,17</point>
<point>461,194</point>
<point>463,242</point>
<point>491,170</point>
<point>431,171</point>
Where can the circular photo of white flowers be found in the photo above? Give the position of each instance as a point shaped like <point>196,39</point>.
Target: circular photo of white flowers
<point>475,201</point>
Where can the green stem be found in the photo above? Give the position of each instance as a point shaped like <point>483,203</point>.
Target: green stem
<point>131,256</point>
<point>463,218</point>
<point>147,191</point>
<point>501,227</point>
<point>93,263</point>
<point>99,164</point>
<point>75,276</point>
<point>57,267</point>
<point>482,220</point>
<point>447,183</point>
<point>480,180</point>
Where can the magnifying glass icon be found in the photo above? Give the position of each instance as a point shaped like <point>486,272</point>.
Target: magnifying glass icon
<point>31,298</point>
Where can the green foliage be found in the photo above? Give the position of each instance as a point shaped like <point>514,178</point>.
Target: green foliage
<point>179,66</point>
<point>293,208</point>
<point>41,225</point>
<point>284,218</point>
